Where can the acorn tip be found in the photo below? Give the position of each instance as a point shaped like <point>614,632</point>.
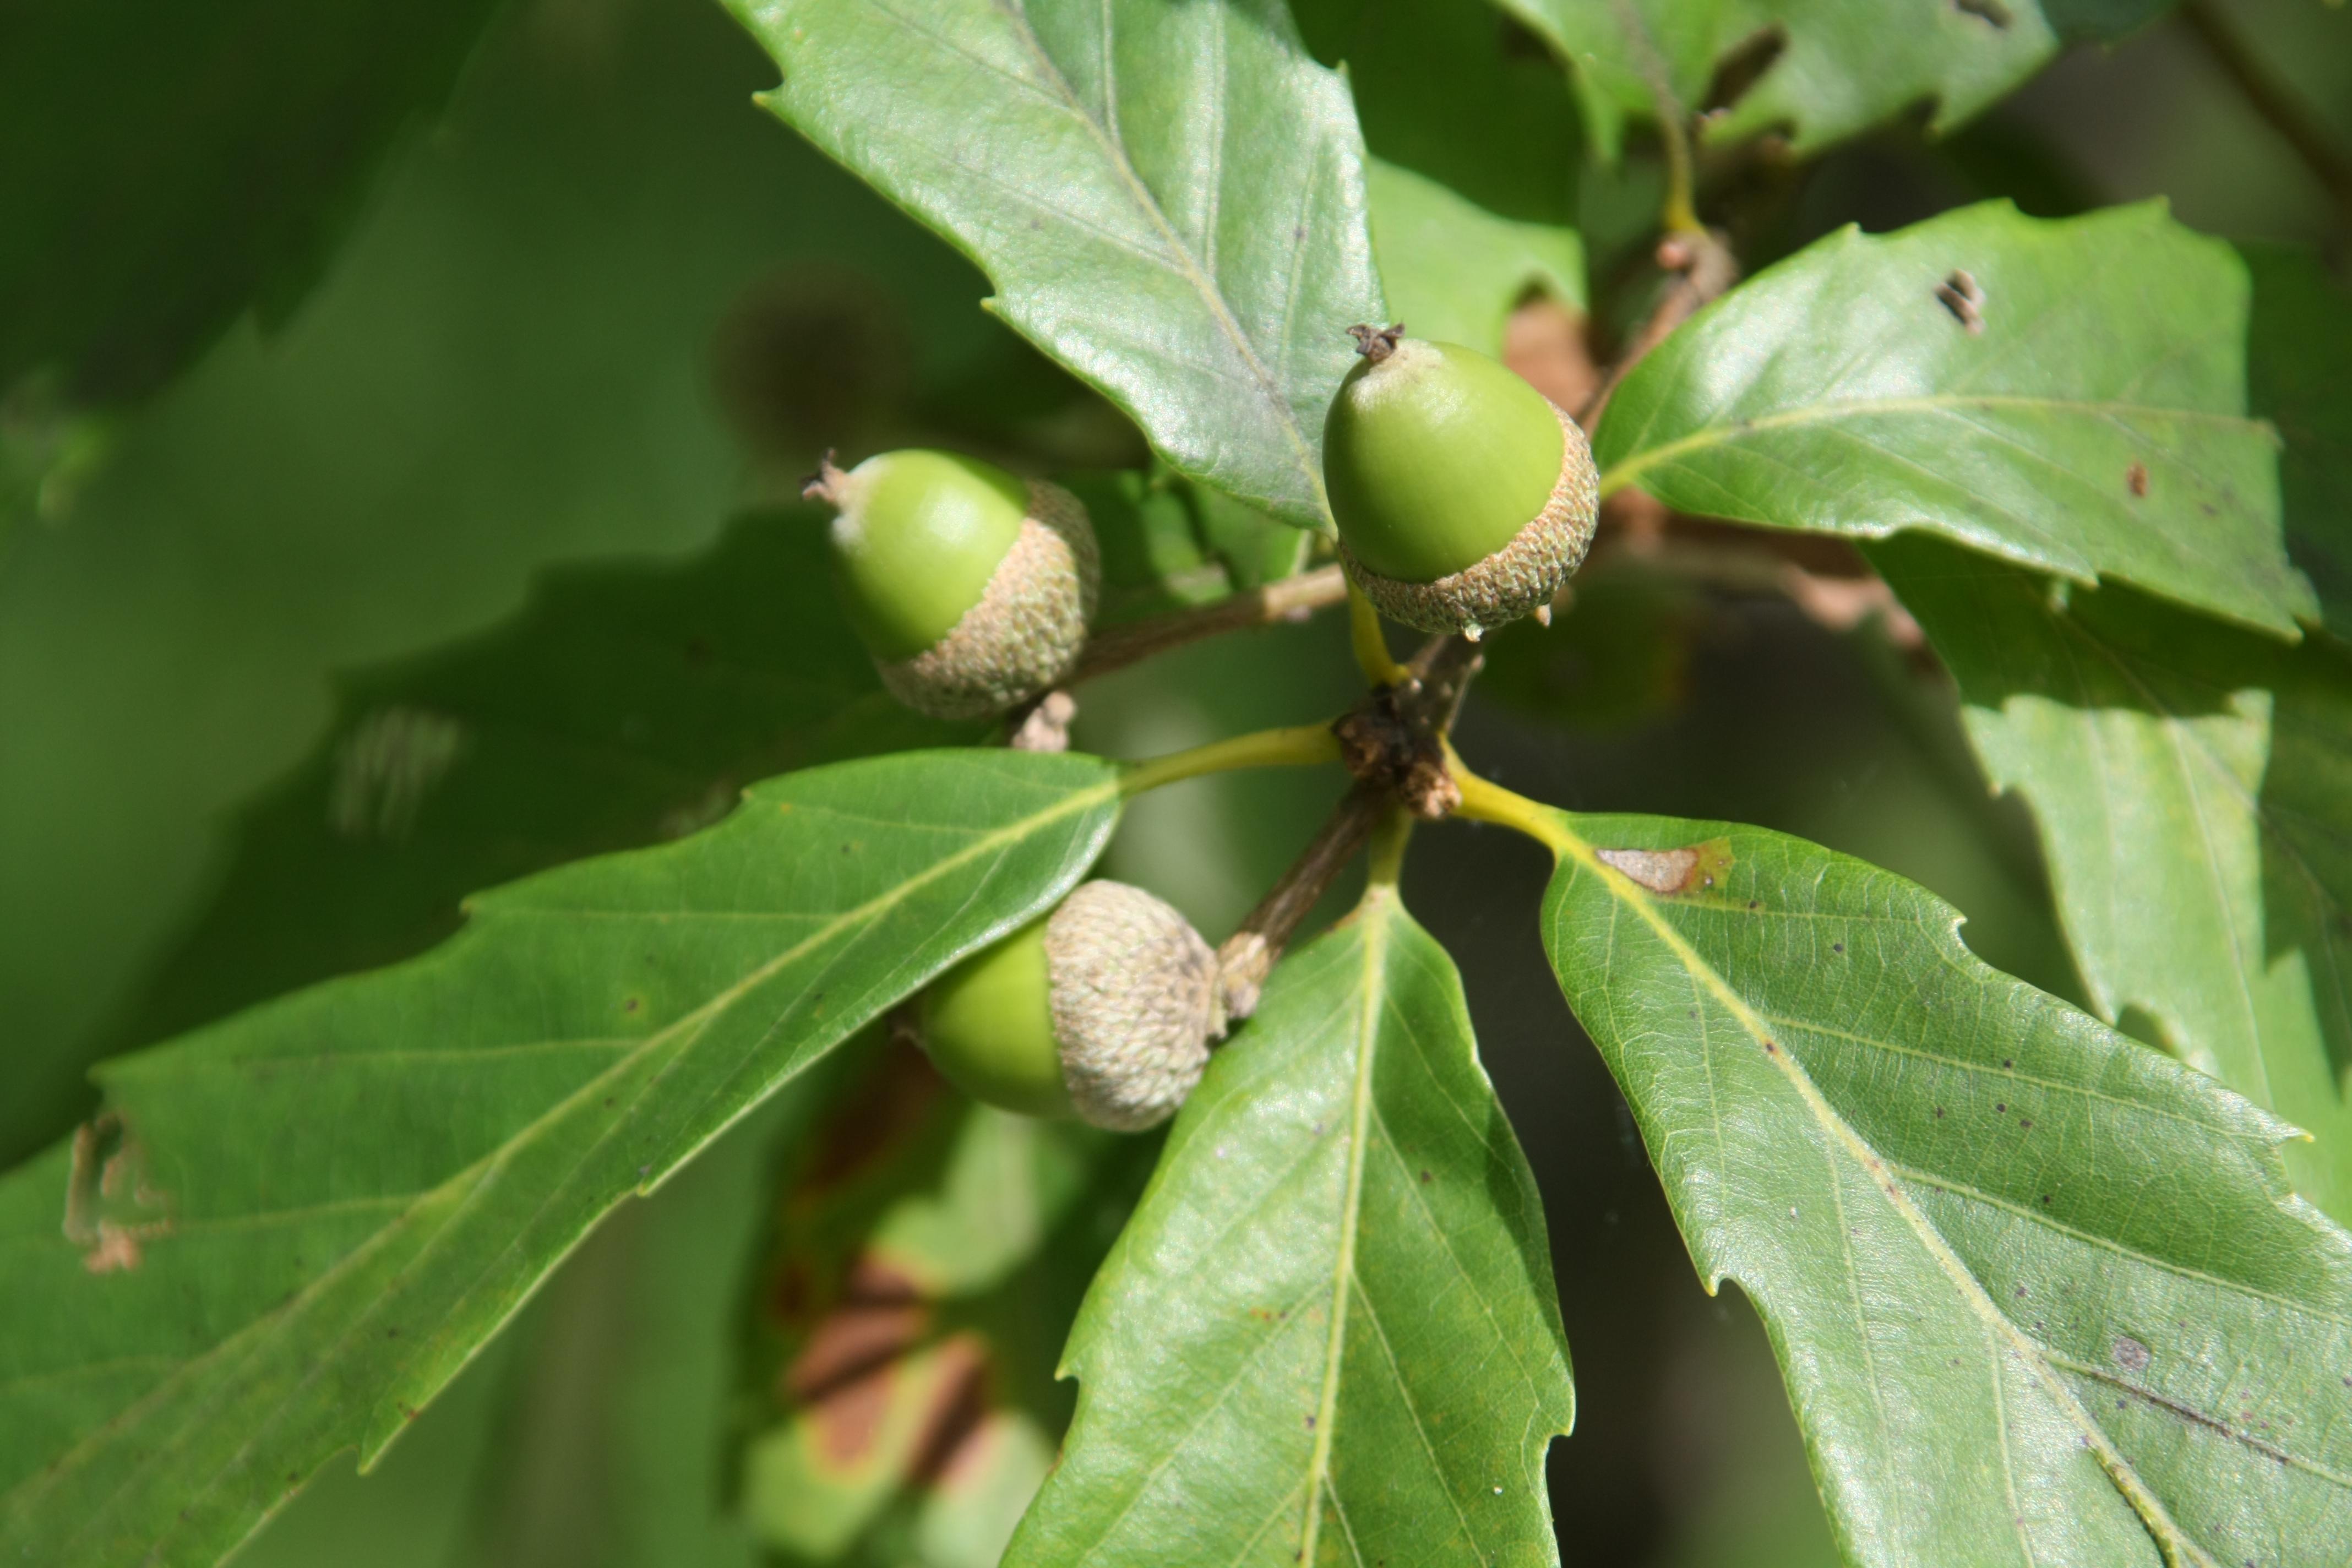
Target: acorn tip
<point>824,484</point>
<point>1376,344</point>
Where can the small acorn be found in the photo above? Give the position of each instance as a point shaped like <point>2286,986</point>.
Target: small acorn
<point>1104,1009</point>
<point>971,588</point>
<point>1464,497</point>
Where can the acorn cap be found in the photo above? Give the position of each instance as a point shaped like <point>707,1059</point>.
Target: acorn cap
<point>971,588</point>
<point>1463,497</point>
<point>1025,633</point>
<point>1134,1004</point>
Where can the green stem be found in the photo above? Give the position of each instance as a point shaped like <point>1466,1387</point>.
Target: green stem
<point>1302,745</point>
<point>1384,862</point>
<point>1483,800</point>
<point>1371,644</point>
<point>1679,211</point>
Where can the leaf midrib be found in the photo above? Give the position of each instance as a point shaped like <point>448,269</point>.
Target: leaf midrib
<point>1114,148</point>
<point>454,1185</point>
<point>1625,470</point>
<point>2168,1536</point>
<point>1374,917</point>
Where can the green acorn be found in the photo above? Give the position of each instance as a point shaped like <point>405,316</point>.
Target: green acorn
<point>971,588</point>
<point>1104,1009</point>
<point>1464,496</point>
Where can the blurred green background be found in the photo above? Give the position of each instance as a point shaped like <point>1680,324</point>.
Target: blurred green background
<point>600,307</point>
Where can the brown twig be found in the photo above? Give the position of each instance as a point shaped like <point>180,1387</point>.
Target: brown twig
<point>1395,739</point>
<point>1702,267</point>
<point>1394,743</point>
<point>2271,96</point>
<point>1249,955</point>
<point>1292,598</point>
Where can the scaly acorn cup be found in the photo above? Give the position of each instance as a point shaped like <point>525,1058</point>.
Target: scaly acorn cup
<point>971,588</point>
<point>1104,1009</point>
<point>1464,497</point>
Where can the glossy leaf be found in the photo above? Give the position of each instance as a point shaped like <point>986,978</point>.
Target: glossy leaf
<point>319,1209</point>
<point>2040,1294</point>
<point>2095,424</point>
<point>1329,1332</point>
<point>2193,786</point>
<point>627,705</point>
<point>927,1256</point>
<point>1168,199</point>
<point>2301,330</point>
<point>1838,69</point>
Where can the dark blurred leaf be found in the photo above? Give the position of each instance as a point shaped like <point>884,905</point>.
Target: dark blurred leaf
<point>1458,95</point>
<point>1167,544</point>
<point>1618,655</point>
<point>509,365</point>
<point>1834,69</point>
<point>628,705</point>
<point>926,1258</point>
<point>170,165</point>
<point>1255,547</point>
<point>2039,1292</point>
<point>306,1219</point>
<point>612,1451</point>
<point>2297,345</point>
<point>1329,1334</point>
<point>2193,784</point>
<point>1169,200</point>
<point>2094,426</point>
<point>592,1433</point>
<point>1475,145</point>
<point>1453,271</point>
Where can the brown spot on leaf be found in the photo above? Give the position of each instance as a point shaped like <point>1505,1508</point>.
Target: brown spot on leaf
<point>111,1210</point>
<point>956,1426</point>
<point>2129,1353</point>
<point>1673,871</point>
<point>1960,294</point>
<point>2136,481</point>
<point>844,1372</point>
<point>116,1250</point>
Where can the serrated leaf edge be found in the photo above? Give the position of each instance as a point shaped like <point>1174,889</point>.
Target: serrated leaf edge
<point>389,1421</point>
<point>2178,1549</point>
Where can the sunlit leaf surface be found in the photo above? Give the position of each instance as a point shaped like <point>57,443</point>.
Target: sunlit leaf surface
<point>1170,199</point>
<point>1329,1334</point>
<point>2040,1294</point>
<point>2193,784</point>
<point>2067,395</point>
